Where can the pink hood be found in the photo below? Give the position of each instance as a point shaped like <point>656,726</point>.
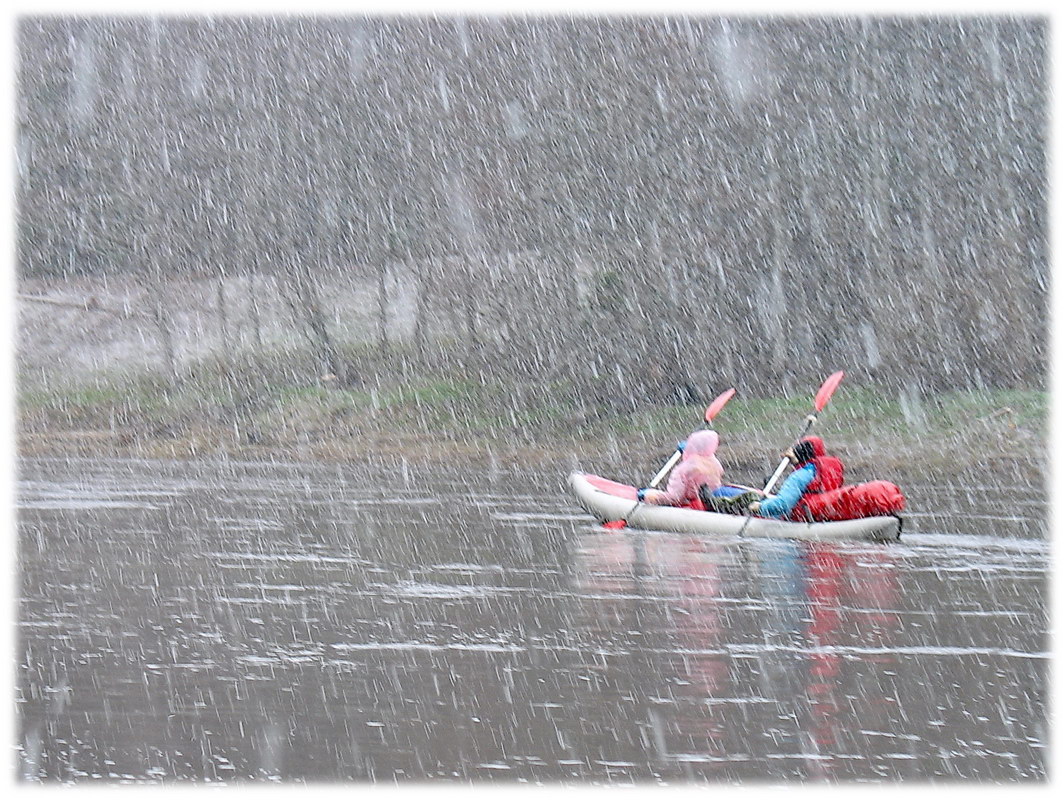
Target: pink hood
<point>701,443</point>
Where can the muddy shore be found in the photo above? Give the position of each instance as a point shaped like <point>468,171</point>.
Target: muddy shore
<point>967,456</point>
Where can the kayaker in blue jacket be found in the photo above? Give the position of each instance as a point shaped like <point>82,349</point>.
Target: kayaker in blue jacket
<point>815,472</point>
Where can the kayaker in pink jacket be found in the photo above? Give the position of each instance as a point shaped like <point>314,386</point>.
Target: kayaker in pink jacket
<point>698,466</point>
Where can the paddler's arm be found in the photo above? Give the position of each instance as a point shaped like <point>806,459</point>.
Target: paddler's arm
<point>783,502</point>
<point>653,497</point>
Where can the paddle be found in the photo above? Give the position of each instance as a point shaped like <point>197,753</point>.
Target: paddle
<point>827,388</point>
<point>822,396</point>
<point>712,410</point>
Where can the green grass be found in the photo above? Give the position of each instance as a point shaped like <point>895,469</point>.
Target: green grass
<point>75,397</point>
<point>285,403</point>
<point>854,415</point>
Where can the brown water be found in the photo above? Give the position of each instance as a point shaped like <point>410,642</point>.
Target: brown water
<point>235,622</point>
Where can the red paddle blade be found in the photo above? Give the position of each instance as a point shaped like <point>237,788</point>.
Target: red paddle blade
<point>827,389</point>
<point>615,524</point>
<point>718,404</point>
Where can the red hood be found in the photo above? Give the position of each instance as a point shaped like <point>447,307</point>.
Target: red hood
<point>817,444</point>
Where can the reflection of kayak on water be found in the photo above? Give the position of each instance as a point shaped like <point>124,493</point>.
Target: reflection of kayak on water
<point>608,500</point>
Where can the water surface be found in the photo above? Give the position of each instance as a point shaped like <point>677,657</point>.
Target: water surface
<point>231,622</point>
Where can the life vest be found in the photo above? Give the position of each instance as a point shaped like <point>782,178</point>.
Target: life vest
<point>828,477</point>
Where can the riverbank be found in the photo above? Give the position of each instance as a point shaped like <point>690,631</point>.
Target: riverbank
<point>211,413</point>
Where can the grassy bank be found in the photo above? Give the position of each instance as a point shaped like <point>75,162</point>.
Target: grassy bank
<point>214,410</point>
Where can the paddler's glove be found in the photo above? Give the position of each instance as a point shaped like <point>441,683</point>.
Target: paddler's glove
<point>754,507</point>
<point>641,495</point>
<point>680,446</point>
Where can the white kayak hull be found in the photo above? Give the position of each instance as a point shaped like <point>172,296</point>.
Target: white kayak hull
<point>607,501</point>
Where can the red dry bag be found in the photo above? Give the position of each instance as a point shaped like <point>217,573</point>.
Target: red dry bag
<point>872,499</point>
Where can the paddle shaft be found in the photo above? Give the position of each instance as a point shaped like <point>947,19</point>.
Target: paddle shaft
<point>783,464</point>
<point>672,462</point>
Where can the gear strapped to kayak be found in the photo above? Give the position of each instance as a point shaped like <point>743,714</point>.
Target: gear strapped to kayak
<point>852,502</point>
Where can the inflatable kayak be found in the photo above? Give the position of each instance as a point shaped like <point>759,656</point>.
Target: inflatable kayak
<point>608,500</point>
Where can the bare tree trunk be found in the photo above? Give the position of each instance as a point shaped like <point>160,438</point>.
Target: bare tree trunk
<point>223,319</point>
<point>421,309</point>
<point>382,308</point>
<point>163,328</point>
<point>301,294</point>
<point>469,306</point>
<point>253,307</point>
